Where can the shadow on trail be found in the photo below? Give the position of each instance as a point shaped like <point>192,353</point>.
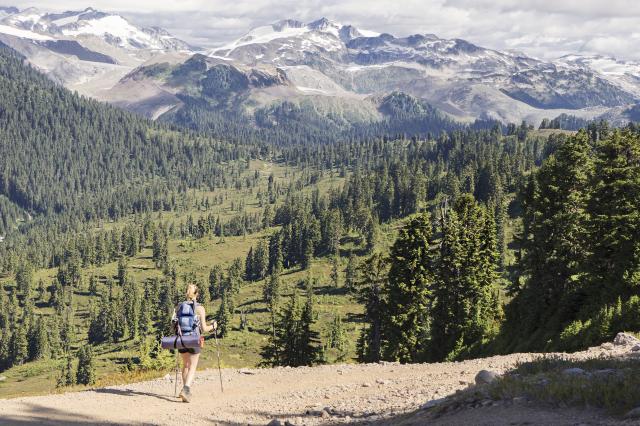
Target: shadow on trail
<point>35,414</point>
<point>128,392</point>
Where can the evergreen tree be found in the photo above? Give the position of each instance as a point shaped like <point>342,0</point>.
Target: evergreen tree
<point>335,274</point>
<point>86,373</point>
<point>39,340</point>
<point>464,309</point>
<point>66,377</point>
<point>408,292</point>
<point>223,316</point>
<point>370,293</point>
<point>351,274</point>
<point>615,219</point>
<point>19,345</point>
<point>215,282</point>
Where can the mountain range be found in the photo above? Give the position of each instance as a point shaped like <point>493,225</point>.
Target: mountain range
<point>339,72</point>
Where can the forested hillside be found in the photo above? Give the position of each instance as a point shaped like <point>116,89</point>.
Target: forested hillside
<point>428,242</point>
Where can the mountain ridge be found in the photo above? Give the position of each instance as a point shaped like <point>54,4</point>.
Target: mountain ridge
<point>322,61</point>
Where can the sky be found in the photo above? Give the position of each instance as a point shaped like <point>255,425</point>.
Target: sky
<point>541,28</point>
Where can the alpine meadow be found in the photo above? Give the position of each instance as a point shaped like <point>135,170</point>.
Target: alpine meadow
<point>351,212</point>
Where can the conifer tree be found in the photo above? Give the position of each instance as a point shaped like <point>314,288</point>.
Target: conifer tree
<point>408,292</point>
<point>615,219</point>
<point>335,274</point>
<point>19,345</point>
<point>66,377</point>
<point>39,340</point>
<point>351,274</point>
<point>223,316</point>
<point>86,373</point>
<point>369,291</point>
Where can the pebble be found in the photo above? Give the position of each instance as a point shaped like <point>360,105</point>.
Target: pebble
<point>3,378</point>
<point>366,385</point>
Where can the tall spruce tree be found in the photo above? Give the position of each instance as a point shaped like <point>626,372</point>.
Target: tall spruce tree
<point>86,373</point>
<point>408,292</point>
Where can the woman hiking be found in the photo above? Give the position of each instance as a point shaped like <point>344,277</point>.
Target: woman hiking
<point>190,318</point>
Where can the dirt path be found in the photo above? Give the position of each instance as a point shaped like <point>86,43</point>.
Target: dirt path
<point>374,393</point>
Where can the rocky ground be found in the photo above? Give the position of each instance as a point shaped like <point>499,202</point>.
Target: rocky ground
<point>379,394</point>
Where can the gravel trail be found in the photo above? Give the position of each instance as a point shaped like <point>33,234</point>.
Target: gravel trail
<point>335,394</point>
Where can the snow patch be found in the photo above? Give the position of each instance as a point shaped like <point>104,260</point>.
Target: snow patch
<point>16,32</point>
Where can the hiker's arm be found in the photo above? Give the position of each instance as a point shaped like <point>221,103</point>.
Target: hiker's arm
<point>203,320</point>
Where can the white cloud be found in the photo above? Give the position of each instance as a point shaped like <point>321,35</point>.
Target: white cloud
<point>543,28</point>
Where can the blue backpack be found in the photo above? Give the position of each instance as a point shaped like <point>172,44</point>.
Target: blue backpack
<point>188,321</point>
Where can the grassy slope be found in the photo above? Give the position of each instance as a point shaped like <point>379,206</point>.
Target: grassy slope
<point>239,348</point>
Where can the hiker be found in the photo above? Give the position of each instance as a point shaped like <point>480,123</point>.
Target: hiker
<point>191,319</point>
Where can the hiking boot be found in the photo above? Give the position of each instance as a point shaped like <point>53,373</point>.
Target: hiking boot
<point>185,394</point>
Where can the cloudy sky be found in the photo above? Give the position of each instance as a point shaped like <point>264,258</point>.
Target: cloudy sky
<point>542,28</point>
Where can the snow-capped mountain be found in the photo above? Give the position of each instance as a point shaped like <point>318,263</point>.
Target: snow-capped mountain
<point>111,28</point>
<point>88,50</point>
<point>459,77</point>
<point>624,74</point>
<point>336,68</point>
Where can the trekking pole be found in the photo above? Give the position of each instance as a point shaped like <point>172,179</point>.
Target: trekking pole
<point>175,390</point>
<point>215,335</point>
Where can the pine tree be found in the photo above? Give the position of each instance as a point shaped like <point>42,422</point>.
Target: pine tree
<point>66,377</point>
<point>93,285</point>
<point>19,345</point>
<point>249,273</point>
<point>24,280</point>
<point>86,373</point>
<point>351,274</point>
<point>465,308</point>
<point>615,219</point>
<point>223,316</point>
<point>335,274</point>
<point>554,241</point>
<point>215,282</point>
<point>369,291</point>
<point>408,292</point>
<point>308,342</point>
<point>39,340</point>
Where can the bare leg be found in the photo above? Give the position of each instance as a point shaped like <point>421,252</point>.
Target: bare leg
<point>193,365</point>
<point>186,364</point>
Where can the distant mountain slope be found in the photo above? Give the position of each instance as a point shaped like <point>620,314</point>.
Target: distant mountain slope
<point>339,71</point>
<point>62,154</point>
<point>85,50</point>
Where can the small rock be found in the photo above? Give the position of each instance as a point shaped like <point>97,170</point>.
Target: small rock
<point>245,371</point>
<point>381,381</point>
<point>167,377</point>
<point>633,414</point>
<point>625,339</point>
<point>608,346</point>
<point>485,376</point>
<point>3,378</point>
<point>366,385</point>
<point>575,371</point>
<point>274,422</point>
<point>325,414</point>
